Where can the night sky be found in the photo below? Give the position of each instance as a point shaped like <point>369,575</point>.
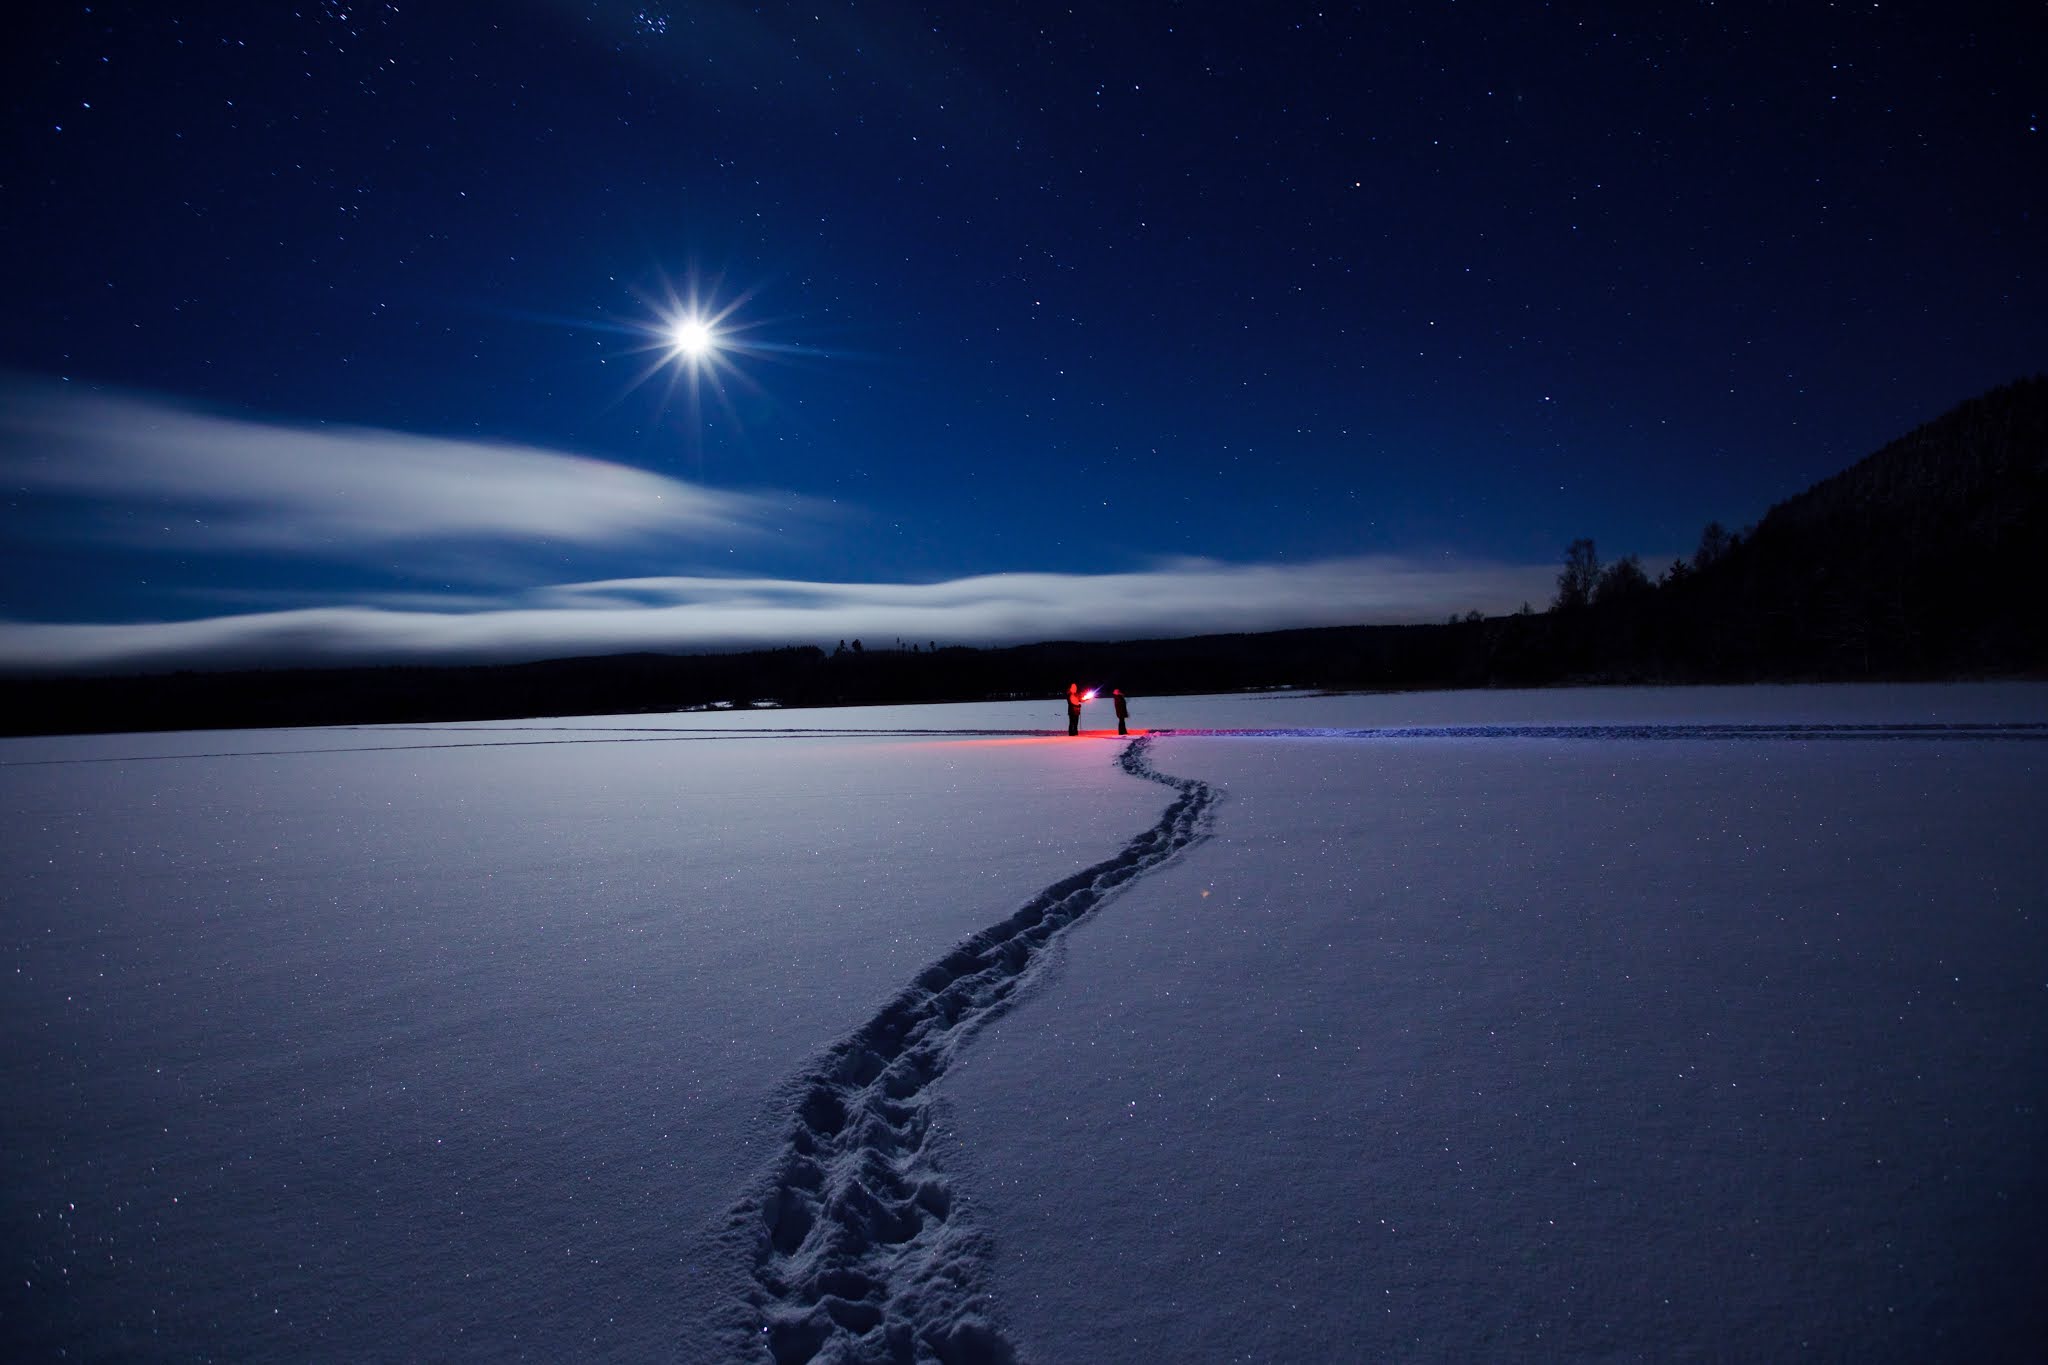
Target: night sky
<point>343,331</point>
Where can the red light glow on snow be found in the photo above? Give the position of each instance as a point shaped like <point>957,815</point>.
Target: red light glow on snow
<point>1059,737</point>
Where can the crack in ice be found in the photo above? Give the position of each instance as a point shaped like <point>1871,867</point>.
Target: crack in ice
<point>859,1251</point>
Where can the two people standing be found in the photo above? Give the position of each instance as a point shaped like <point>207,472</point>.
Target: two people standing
<point>1116,694</point>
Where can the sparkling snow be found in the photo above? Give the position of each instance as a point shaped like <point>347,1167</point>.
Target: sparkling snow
<point>1629,1023</point>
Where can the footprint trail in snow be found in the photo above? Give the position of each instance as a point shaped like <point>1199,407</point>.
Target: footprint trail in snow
<point>858,1248</point>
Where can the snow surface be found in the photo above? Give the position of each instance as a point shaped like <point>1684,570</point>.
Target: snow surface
<point>1621,1023</point>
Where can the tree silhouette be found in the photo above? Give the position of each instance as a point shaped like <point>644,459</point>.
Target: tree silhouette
<point>1715,542</point>
<point>1580,575</point>
<point>1621,581</point>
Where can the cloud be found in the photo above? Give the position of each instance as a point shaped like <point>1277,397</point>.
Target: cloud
<point>1179,597</point>
<point>169,476</point>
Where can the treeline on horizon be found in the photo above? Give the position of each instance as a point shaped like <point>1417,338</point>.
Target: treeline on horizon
<point>1920,561</point>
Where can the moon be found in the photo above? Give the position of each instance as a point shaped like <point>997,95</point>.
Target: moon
<point>692,338</point>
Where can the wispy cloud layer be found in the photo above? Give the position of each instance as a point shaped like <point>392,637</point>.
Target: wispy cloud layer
<point>137,470</point>
<point>680,614</point>
<point>220,483</point>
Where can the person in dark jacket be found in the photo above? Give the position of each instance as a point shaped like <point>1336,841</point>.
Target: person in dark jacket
<point>1123,710</point>
<point>1073,708</point>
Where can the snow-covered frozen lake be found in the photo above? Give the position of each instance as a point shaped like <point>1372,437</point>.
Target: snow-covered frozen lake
<point>1632,1024</point>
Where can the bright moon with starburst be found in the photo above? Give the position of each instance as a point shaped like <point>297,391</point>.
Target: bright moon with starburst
<point>693,344</point>
<point>692,338</point>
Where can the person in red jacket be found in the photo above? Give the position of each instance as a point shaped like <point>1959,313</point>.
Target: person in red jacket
<point>1073,708</point>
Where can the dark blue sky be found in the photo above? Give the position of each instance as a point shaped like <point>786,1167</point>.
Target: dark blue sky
<point>329,327</point>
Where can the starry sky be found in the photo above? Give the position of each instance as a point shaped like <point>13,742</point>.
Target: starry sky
<point>345,331</point>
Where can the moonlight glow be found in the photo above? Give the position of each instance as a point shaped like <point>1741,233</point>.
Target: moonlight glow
<point>694,344</point>
<point>691,338</point>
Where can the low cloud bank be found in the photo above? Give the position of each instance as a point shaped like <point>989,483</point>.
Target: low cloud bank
<point>144,472</point>
<point>1181,597</point>
<point>156,474</point>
